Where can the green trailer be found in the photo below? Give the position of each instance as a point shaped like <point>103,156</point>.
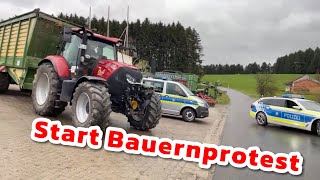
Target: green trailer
<point>24,41</point>
<point>192,81</point>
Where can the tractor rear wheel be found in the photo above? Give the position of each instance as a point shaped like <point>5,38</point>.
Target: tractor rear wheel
<point>150,118</point>
<point>4,82</point>
<point>91,105</point>
<point>45,92</point>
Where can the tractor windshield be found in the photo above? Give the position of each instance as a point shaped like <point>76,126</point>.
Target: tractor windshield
<point>96,49</point>
<point>99,49</point>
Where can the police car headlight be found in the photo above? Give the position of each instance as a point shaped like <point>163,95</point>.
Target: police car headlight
<point>202,104</point>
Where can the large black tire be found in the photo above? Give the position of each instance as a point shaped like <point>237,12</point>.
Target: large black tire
<point>48,104</point>
<point>261,119</point>
<point>189,115</point>
<point>4,82</point>
<point>316,127</point>
<point>151,117</point>
<point>91,105</point>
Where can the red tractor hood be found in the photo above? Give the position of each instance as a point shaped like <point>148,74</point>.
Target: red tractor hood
<point>105,68</point>
<point>115,63</point>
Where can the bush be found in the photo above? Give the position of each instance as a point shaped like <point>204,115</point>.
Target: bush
<point>318,98</point>
<point>265,85</point>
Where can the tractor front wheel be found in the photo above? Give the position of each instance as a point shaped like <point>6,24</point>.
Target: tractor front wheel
<point>91,105</point>
<point>4,82</point>
<point>150,117</point>
<point>45,91</point>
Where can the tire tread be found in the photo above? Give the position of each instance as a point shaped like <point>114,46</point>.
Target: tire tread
<point>49,108</point>
<point>152,117</point>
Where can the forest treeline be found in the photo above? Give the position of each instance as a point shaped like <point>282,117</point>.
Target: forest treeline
<point>178,48</point>
<point>300,62</point>
<point>174,46</point>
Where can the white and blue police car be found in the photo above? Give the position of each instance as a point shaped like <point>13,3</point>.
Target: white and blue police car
<point>178,100</point>
<point>288,110</point>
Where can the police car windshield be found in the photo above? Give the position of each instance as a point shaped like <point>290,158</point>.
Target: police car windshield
<point>310,105</point>
<point>186,90</point>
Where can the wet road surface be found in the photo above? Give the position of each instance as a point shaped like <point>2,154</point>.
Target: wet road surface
<point>241,130</point>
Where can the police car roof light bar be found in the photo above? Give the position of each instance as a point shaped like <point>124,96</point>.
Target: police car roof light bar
<point>293,96</point>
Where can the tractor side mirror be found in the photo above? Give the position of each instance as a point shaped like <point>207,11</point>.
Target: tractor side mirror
<point>67,34</point>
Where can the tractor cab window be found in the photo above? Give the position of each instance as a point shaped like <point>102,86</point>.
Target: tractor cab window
<point>97,50</point>
<point>71,50</point>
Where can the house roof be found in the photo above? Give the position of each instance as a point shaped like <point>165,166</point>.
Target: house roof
<point>302,78</point>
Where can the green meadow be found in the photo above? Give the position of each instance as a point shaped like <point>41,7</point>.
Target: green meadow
<point>246,83</point>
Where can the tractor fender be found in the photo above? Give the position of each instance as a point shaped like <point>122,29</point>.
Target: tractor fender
<point>91,78</point>
<point>69,86</point>
<point>60,65</point>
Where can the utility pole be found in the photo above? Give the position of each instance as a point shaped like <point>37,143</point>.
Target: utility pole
<point>127,31</point>
<point>89,21</point>
<point>108,21</point>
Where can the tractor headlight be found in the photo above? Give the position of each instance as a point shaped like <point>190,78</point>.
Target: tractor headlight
<point>130,79</point>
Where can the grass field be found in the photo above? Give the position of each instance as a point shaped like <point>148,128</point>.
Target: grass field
<point>246,83</point>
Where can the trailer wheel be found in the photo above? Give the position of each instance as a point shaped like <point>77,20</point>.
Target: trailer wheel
<point>4,82</point>
<point>91,105</point>
<point>45,92</point>
<point>150,118</point>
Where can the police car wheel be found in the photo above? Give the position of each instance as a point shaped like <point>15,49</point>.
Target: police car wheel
<point>318,127</point>
<point>188,115</point>
<point>261,119</point>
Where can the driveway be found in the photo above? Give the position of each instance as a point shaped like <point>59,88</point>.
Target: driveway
<point>22,158</point>
<point>242,131</point>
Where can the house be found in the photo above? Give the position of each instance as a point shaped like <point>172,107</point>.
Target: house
<point>304,84</point>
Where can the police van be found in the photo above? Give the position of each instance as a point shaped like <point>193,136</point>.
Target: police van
<point>178,100</point>
<point>287,110</point>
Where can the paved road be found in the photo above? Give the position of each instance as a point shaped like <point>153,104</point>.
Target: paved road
<point>22,158</point>
<point>242,131</point>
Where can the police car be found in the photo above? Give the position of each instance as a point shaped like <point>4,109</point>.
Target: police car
<point>289,111</point>
<point>178,100</point>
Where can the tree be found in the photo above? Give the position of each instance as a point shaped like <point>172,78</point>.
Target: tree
<point>315,63</point>
<point>174,46</point>
<point>264,68</point>
<point>265,85</point>
<point>252,68</point>
<point>301,62</point>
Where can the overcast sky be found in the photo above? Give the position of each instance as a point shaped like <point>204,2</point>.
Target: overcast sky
<point>232,31</point>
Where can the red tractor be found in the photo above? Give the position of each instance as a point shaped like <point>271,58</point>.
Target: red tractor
<point>87,75</point>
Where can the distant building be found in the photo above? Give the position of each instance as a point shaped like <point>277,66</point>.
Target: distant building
<point>304,84</point>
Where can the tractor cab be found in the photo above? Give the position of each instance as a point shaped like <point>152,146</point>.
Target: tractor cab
<point>82,49</point>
